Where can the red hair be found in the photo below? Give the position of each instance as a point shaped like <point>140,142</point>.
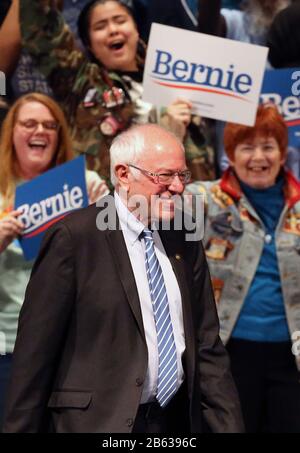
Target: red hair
<point>269,123</point>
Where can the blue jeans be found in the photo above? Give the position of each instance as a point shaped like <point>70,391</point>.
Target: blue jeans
<point>5,367</point>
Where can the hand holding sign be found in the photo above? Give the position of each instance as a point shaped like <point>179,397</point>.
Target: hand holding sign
<point>10,228</point>
<point>177,117</point>
<point>47,199</point>
<point>180,111</point>
<point>211,72</point>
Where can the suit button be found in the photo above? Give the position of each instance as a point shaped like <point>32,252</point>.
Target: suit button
<point>139,382</point>
<point>129,422</point>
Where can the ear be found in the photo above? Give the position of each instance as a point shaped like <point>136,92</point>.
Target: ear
<point>231,163</point>
<point>283,158</point>
<point>122,174</point>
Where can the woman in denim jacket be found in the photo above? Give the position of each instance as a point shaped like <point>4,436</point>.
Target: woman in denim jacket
<point>252,241</point>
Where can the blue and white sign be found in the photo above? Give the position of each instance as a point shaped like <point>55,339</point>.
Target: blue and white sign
<point>282,87</point>
<point>47,199</point>
<point>222,78</point>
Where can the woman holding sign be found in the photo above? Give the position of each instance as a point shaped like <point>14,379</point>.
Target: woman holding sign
<point>34,139</point>
<point>252,242</point>
<point>101,89</point>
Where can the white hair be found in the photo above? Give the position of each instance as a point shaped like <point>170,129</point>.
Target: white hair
<point>129,146</point>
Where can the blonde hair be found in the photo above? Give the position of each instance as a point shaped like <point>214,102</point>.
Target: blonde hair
<point>8,161</point>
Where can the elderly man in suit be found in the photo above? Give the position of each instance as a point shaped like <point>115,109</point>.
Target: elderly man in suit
<point>119,331</point>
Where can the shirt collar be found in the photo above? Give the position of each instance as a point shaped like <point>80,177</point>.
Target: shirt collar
<point>230,185</point>
<point>128,221</point>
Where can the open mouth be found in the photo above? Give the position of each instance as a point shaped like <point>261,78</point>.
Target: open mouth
<point>117,45</point>
<point>38,145</point>
<point>258,170</point>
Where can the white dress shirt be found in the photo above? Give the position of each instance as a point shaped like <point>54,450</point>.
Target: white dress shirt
<point>132,228</point>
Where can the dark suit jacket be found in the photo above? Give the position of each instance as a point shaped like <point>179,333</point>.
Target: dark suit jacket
<point>81,356</point>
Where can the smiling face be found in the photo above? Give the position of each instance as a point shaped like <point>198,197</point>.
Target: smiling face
<point>160,197</point>
<point>257,162</point>
<point>35,145</point>
<point>162,154</point>
<point>113,36</point>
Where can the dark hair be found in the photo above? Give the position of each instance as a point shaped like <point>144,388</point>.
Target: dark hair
<point>84,17</point>
<point>284,38</point>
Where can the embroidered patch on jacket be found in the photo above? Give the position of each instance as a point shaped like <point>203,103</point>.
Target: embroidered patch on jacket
<point>221,198</point>
<point>246,216</point>
<point>218,249</point>
<point>292,223</point>
<point>218,285</point>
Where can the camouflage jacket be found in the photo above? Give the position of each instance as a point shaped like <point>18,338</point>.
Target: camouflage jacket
<point>234,240</point>
<point>86,92</point>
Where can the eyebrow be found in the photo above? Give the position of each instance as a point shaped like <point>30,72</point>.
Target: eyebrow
<point>37,120</point>
<point>103,21</point>
<point>268,140</point>
<point>168,170</point>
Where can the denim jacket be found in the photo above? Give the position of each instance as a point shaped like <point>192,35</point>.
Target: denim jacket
<point>234,240</point>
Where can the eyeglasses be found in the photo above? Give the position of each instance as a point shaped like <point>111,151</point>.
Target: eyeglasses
<point>31,125</point>
<point>165,178</point>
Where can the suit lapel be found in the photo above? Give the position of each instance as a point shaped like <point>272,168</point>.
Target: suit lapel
<point>120,255</point>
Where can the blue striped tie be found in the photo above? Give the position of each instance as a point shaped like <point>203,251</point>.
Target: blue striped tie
<point>167,358</point>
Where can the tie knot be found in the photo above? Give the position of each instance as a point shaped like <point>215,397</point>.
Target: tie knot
<point>147,234</point>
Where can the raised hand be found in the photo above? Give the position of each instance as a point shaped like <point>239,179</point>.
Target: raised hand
<point>10,228</point>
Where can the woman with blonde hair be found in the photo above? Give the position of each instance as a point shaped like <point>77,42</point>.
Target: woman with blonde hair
<point>10,171</point>
<point>34,139</point>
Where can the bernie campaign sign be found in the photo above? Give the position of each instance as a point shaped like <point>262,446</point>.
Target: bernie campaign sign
<point>47,199</point>
<point>222,78</point>
<point>282,87</point>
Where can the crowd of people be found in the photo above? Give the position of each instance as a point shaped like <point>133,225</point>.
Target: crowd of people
<point>74,87</point>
